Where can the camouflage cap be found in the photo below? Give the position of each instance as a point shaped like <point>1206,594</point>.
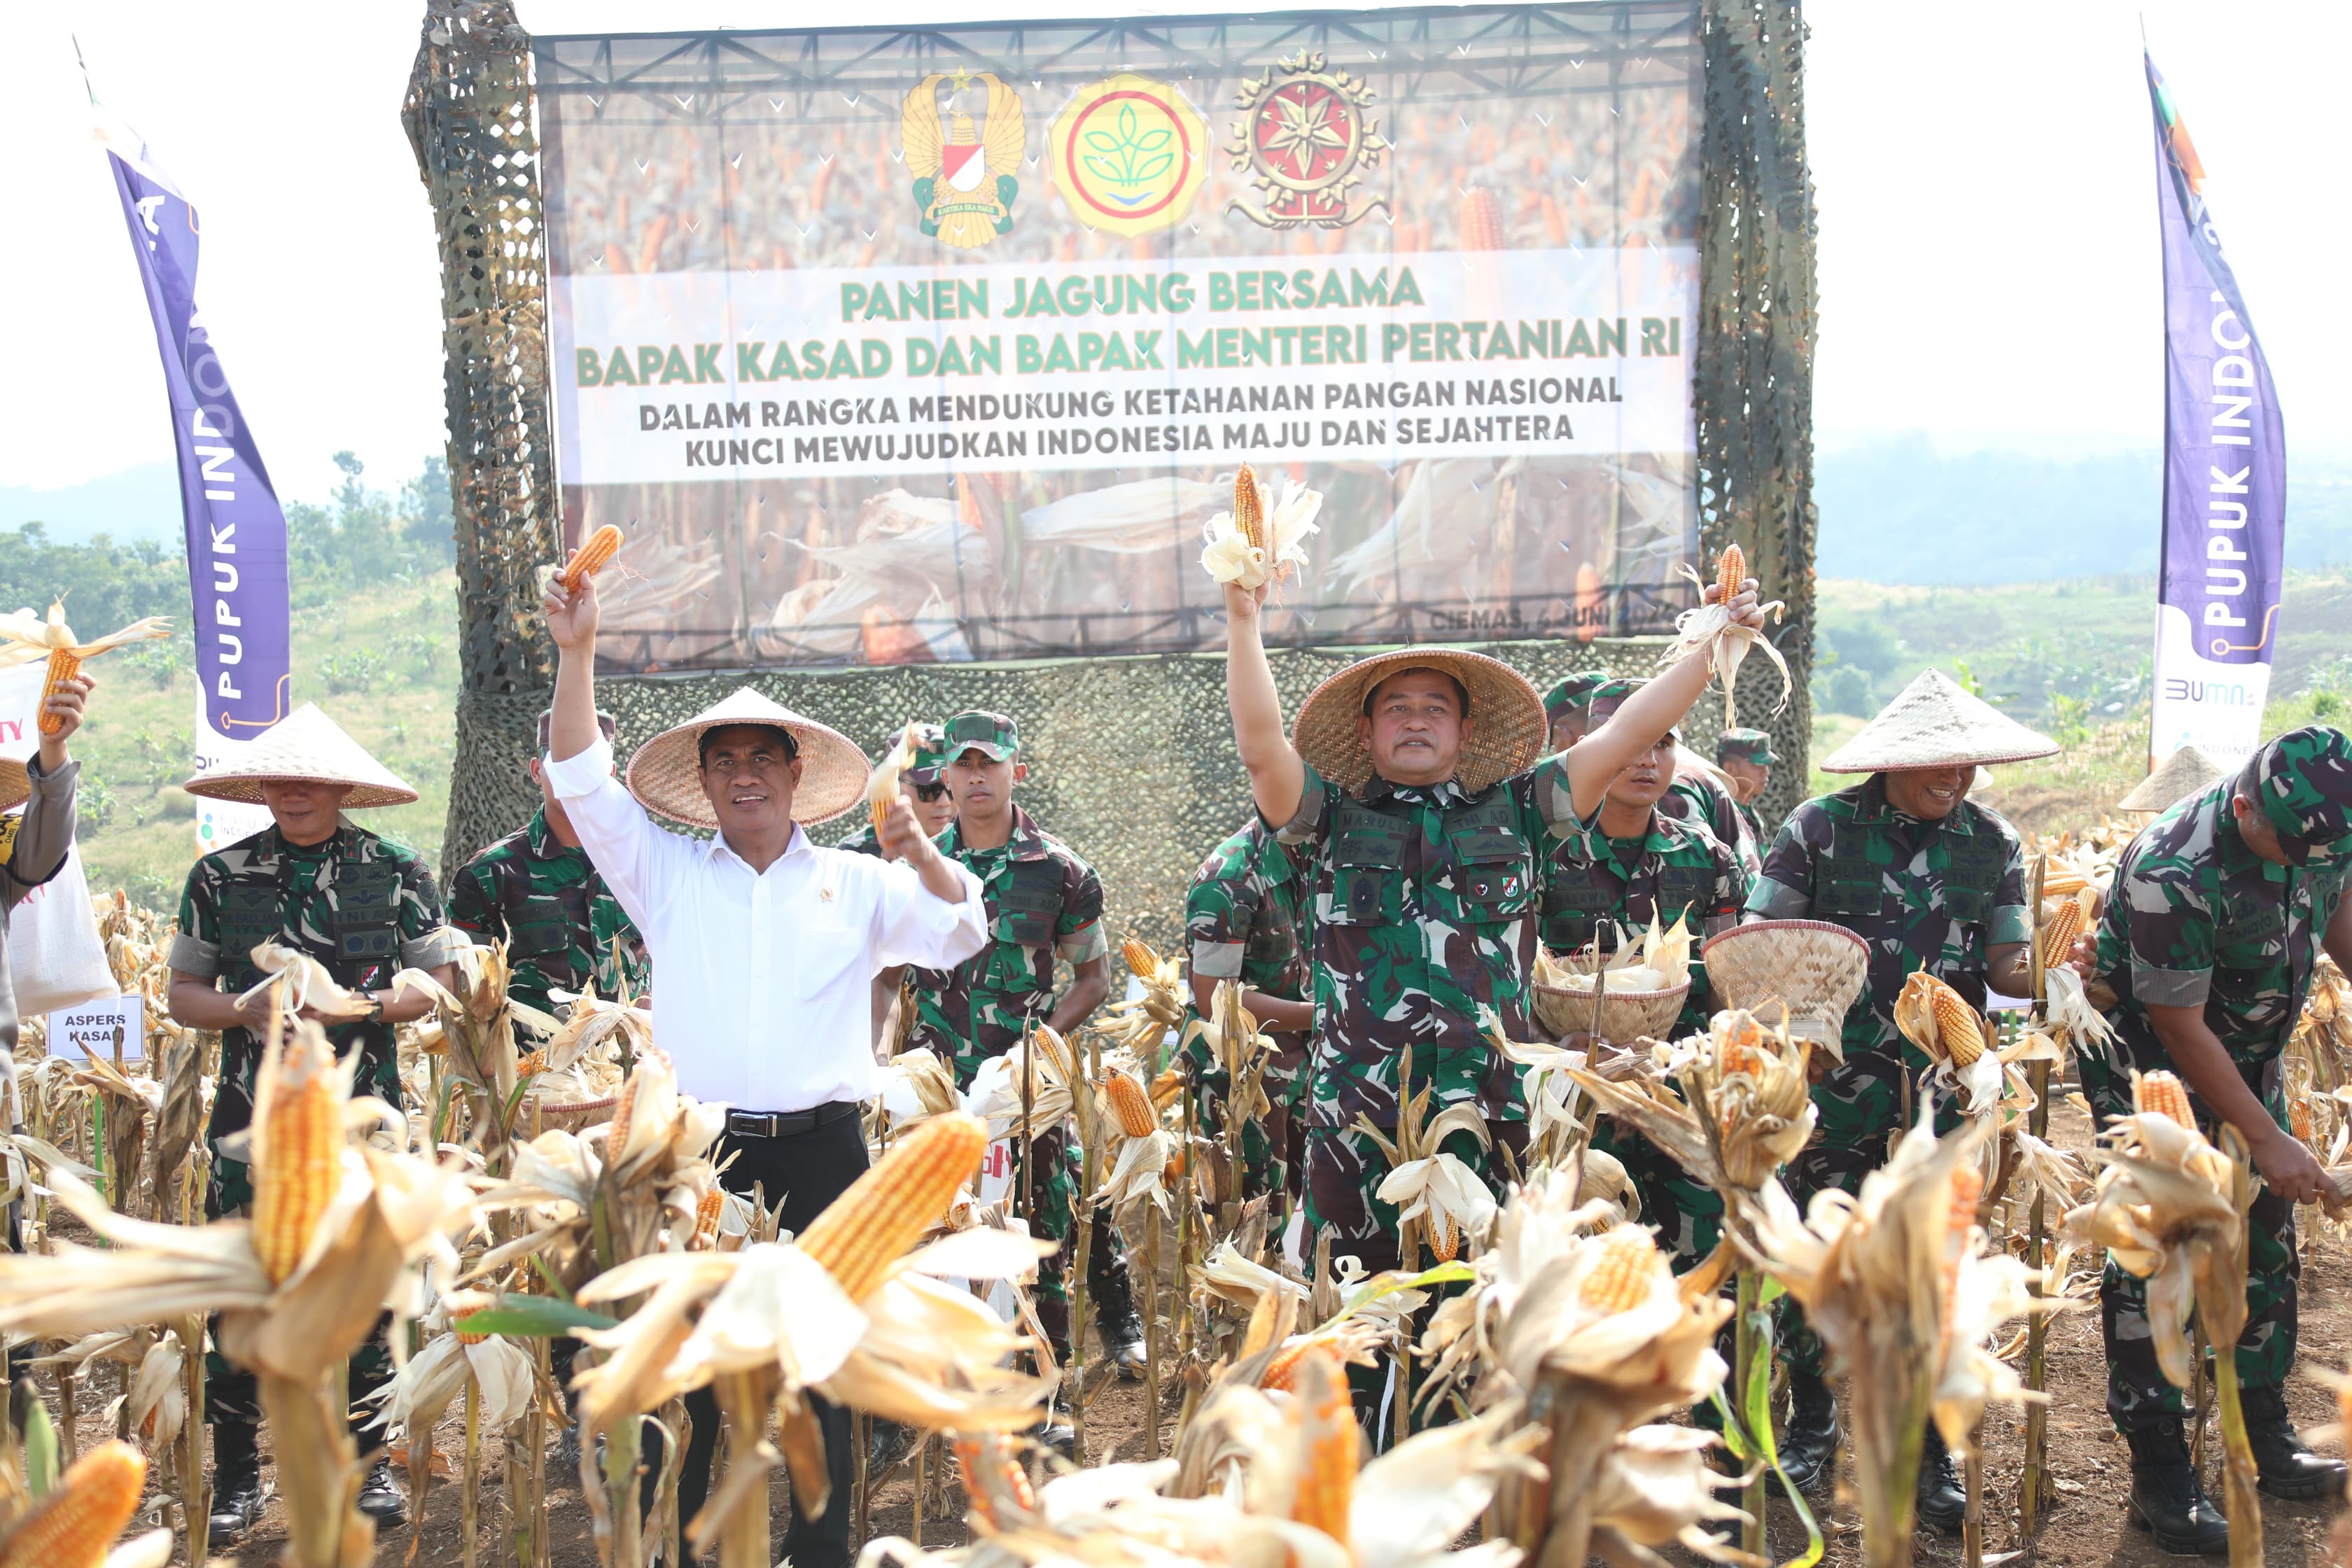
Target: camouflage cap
<point>2303,779</point>
<point>1610,696</point>
<point>1751,746</point>
<point>930,755</point>
<point>1572,693</point>
<point>994,735</point>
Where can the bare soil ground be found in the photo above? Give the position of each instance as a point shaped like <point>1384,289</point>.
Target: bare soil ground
<point>2083,1526</point>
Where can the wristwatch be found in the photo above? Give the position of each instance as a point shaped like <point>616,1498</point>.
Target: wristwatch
<point>375,1010</point>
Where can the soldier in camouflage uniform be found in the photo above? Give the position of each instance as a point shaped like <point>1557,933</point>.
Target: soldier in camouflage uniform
<point>1929,880</point>
<point>1043,900</point>
<point>1746,758</point>
<point>923,785</point>
<point>1422,817</point>
<point>364,908</point>
<point>1640,865</point>
<point>537,891</point>
<point>2221,910</point>
<point>1246,920</point>
<point>1567,707</point>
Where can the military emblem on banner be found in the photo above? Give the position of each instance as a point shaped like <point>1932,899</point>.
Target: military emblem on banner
<point>965,174</point>
<point>1305,142</point>
<point>1128,155</point>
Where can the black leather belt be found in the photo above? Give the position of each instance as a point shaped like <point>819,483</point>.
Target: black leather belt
<point>786,1124</point>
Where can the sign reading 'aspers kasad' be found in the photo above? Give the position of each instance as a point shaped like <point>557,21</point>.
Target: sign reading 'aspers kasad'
<point>1353,357</point>
<point>886,345</point>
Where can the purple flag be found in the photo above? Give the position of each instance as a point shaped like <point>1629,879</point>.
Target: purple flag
<point>2224,477</point>
<point>236,533</point>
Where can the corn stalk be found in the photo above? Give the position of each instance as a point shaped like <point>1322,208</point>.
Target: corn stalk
<point>319,1471</point>
<point>2037,1414</point>
<point>2226,1321</point>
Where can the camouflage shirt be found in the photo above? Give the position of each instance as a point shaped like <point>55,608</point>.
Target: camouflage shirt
<point>2196,919</point>
<point>550,907</point>
<point>1245,920</point>
<point>1678,868</point>
<point>363,907</point>
<point>1697,797</point>
<point>1426,900</point>
<point>1936,895</point>
<point>1042,900</point>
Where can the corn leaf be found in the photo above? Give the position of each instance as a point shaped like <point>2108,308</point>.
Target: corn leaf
<point>533,1317</point>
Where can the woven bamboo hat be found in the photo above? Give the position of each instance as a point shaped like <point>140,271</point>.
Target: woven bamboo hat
<point>2187,771</point>
<point>306,746</point>
<point>1507,729</point>
<point>1935,724</point>
<point>665,775</point>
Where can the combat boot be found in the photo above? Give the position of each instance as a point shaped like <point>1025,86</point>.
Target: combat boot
<point>1808,1442</point>
<point>2288,1469</point>
<point>1115,1319</point>
<point>381,1498</point>
<point>236,1478</point>
<point>1943,1501</point>
<point>2167,1499</point>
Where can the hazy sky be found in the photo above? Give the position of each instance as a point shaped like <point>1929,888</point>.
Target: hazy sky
<point>1988,267</point>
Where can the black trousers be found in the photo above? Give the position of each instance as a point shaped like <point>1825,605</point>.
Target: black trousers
<point>807,1171</point>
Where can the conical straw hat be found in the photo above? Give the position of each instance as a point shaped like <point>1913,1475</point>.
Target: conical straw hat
<point>2187,771</point>
<point>666,772</point>
<point>1934,723</point>
<point>304,746</point>
<point>1506,731</point>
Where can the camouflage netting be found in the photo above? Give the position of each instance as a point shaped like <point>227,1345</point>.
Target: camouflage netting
<point>1134,759</point>
<point>1131,759</point>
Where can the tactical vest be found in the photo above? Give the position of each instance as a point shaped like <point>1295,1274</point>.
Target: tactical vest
<point>1021,919</point>
<point>1491,864</point>
<point>1849,886</point>
<point>540,925</point>
<point>365,931</point>
<point>1574,908</point>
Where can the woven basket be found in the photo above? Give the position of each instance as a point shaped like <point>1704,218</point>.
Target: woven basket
<point>1813,968</point>
<point>1625,1015</point>
<point>571,1116</point>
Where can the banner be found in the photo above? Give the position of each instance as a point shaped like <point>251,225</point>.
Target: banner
<point>2224,477</point>
<point>895,345</point>
<point>236,531</point>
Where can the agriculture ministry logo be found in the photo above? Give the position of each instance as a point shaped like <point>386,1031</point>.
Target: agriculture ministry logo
<point>1127,154</point>
<point>965,174</point>
<point>1305,142</point>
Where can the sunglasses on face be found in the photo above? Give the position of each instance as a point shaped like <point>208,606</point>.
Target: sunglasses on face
<point>929,793</point>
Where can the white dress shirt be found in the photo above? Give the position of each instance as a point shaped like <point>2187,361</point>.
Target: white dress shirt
<point>763,980</point>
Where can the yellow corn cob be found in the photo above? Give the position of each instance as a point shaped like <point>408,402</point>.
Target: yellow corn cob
<point>76,1523</point>
<point>532,1065</point>
<point>2298,1115</point>
<point>1447,1242</point>
<point>466,1339</point>
<point>2163,1094</point>
<point>1130,1105</point>
<point>591,557</point>
<point>2059,936</point>
<point>298,1166</point>
<point>1282,1371</point>
<point>1621,1280</point>
<point>973,1460</point>
<point>1248,516</point>
<point>1327,1486</point>
<point>617,1132</point>
<point>1052,1052</point>
<point>64,665</point>
<point>1139,957</point>
<point>1742,1050</point>
<point>706,1217</point>
<point>1957,1024</point>
<point>1482,221</point>
<point>1731,571</point>
<point>867,1228</point>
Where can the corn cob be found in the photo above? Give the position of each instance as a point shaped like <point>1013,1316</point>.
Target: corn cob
<point>1282,1371</point>
<point>1482,221</point>
<point>1055,1052</point>
<point>1742,1049</point>
<point>1446,1243</point>
<point>64,665</point>
<point>1249,517</point>
<point>867,1228</point>
<point>1326,1485</point>
<point>2059,936</point>
<point>706,1218</point>
<point>616,1131</point>
<point>77,1522</point>
<point>1130,1105</point>
<point>466,1339</point>
<point>2298,1116</point>
<point>1959,1220</point>
<point>1172,1171</point>
<point>531,1066</point>
<point>1141,960</point>
<point>297,1168</point>
<point>1166,1088</point>
<point>591,558</point>
<point>2164,1094</point>
<point>972,1461</point>
<point>1957,1024</point>
<point>1731,571</point>
<point>1621,1279</point>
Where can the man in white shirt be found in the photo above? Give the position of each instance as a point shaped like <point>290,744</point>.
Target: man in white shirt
<point>766,945</point>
